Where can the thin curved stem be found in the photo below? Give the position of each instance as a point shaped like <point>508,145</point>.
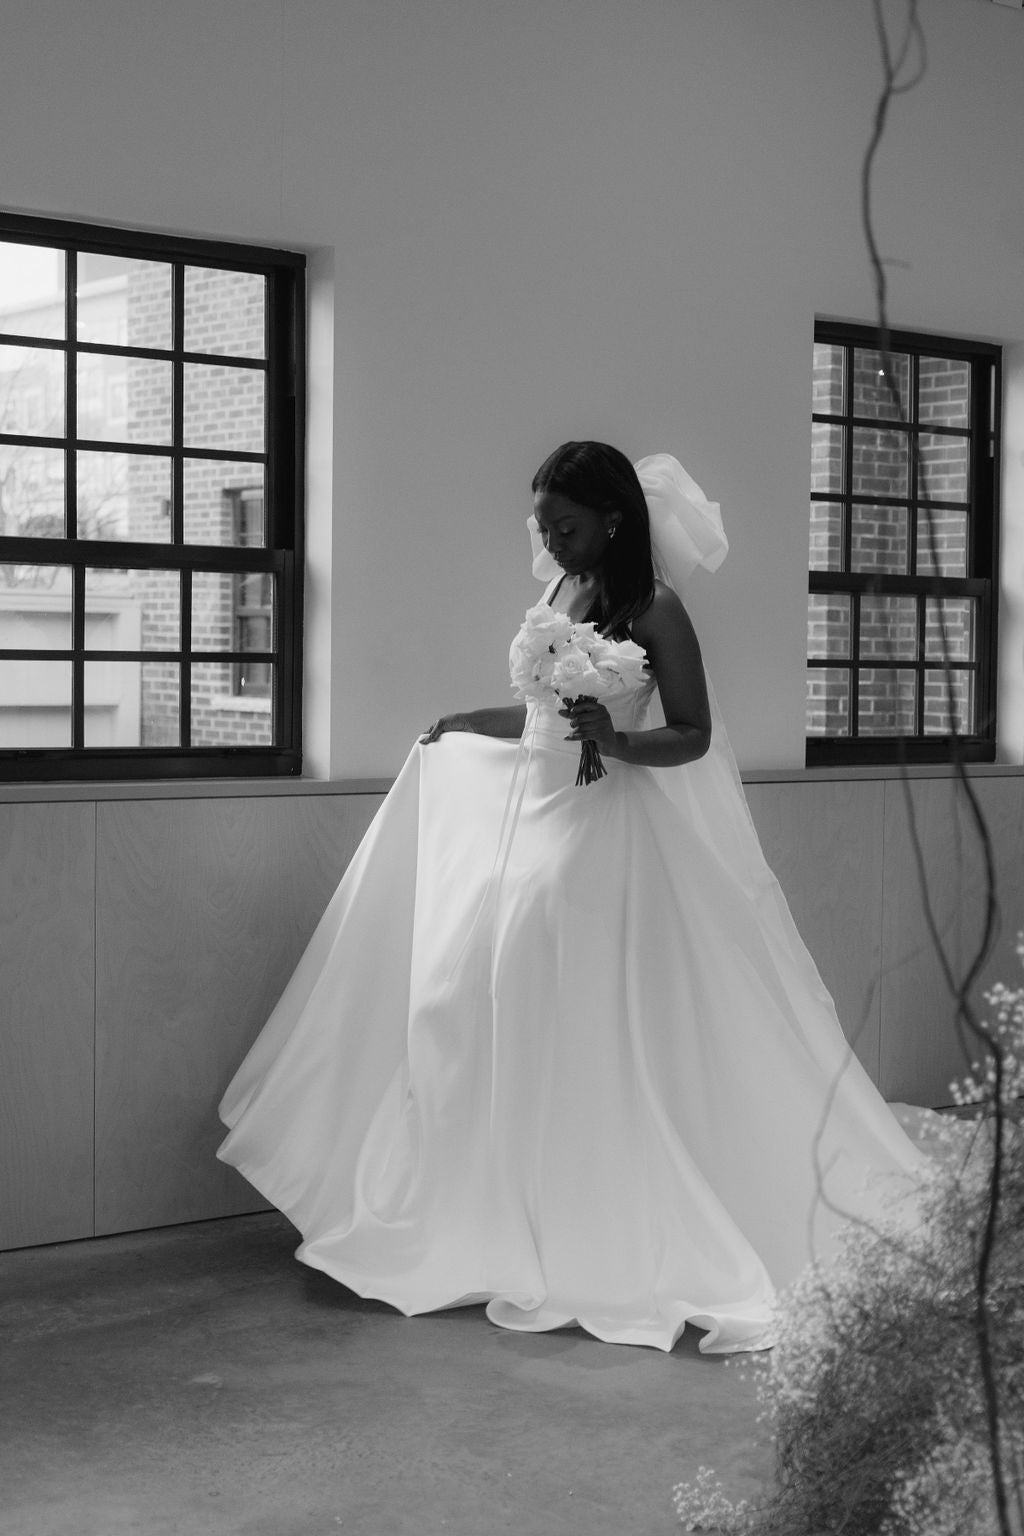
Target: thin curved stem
<point>895,82</point>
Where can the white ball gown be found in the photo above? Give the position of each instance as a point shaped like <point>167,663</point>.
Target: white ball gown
<point>560,1048</point>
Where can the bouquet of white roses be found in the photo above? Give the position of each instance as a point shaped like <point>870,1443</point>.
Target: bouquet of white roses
<point>554,659</point>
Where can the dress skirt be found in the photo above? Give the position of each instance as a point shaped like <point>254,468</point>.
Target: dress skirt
<point>547,1051</point>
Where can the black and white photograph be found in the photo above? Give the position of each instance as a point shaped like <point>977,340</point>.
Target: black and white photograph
<point>511,767</point>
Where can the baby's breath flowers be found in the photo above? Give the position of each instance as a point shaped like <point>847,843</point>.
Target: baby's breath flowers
<point>874,1394</point>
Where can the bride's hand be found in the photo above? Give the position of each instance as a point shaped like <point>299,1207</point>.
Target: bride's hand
<point>590,722</point>
<point>445,723</point>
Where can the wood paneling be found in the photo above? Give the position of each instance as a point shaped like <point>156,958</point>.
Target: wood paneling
<point>824,842</point>
<point>203,908</point>
<point>196,911</point>
<point>46,1022</point>
<point>921,1049</point>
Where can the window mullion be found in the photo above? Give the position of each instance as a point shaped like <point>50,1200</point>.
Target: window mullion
<point>71,396</point>
<point>78,656</point>
<point>178,404</point>
<point>185,669</point>
<point>847,496</point>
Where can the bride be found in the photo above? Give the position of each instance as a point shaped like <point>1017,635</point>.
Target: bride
<point>557,1045</point>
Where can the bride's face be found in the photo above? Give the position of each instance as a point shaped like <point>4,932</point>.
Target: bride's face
<point>576,536</point>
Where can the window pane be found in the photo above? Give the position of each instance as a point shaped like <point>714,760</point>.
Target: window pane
<point>131,704</point>
<point>25,577</point>
<point>828,701</point>
<point>956,617</point>
<point>828,379</point>
<point>31,491</point>
<point>876,393</point>
<point>222,718</point>
<point>828,625</point>
<point>255,632</point>
<point>944,534</point>
<point>826,551</point>
<point>939,689</point>
<point>124,399</point>
<point>36,704</point>
<point>224,407</point>
<point>879,539</point>
<point>886,701</point>
<point>225,312</point>
<point>31,290</point>
<point>223,502</point>
<point>232,611</point>
<point>132,610</point>
<point>161,704</point>
<point>880,463</point>
<point>942,471</point>
<point>944,391</point>
<point>826,456</point>
<point>212,611</point>
<point>123,301</point>
<point>35,608</point>
<point>124,496</point>
<point>32,391</point>
<point>888,627</point>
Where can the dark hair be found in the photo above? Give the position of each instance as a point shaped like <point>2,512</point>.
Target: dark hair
<point>600,477</point>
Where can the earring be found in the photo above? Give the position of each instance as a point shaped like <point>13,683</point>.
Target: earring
<point>613,530</point>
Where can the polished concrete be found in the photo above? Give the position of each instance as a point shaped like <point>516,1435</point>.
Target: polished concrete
<point>197,1381</point>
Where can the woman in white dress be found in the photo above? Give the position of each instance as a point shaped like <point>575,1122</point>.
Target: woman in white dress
<point>557,1046</point>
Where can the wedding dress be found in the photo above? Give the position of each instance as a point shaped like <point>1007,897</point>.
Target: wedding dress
<point>560,1048</point>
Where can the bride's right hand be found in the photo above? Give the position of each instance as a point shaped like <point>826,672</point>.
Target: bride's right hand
<point>445,723</point>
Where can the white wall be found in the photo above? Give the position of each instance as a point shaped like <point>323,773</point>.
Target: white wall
<point>544,219</point>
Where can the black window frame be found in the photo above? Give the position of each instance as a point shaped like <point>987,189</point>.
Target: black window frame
<point>980,582</point>
<point>281,556</point>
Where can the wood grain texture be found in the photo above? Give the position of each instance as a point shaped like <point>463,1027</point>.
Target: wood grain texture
<point>46,1023</point>
<point>824,842</point>
<point>921,1048</point>
<point>203,909</point>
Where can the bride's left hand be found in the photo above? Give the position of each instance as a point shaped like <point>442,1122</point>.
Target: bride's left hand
<point>590,722</point>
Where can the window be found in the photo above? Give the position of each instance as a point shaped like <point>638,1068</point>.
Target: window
<point>903,531</point>
<point>151,434</point>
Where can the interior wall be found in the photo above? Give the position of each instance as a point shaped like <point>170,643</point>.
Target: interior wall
<point>550,219</point>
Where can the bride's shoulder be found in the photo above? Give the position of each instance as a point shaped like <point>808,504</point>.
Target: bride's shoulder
<point>664,628</point>
<point>664,608</point>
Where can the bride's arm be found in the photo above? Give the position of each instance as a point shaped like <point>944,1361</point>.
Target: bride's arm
<point>505,721</point>
<point>668,637</point>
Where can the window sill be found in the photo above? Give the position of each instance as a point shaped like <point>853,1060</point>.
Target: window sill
<point>253,789</point>
<point>856,771</point>
<point>187,789</point>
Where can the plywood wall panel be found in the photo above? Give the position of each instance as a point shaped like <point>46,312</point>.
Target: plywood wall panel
<point>921,1048</point>
<point>824,842</point>
<point>46,1022</point>
<point>203,908</point>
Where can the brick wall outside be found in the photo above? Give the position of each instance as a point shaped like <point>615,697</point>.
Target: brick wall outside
<point>223,408</point>
<point>880,541</point>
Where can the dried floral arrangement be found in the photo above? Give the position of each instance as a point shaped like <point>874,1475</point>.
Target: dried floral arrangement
<point>876,1393</point>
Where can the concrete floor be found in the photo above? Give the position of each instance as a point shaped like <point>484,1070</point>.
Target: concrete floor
<point>198,1380</point>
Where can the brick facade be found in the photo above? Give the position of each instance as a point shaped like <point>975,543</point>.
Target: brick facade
<point>880,539</point>
<point>223,408</point>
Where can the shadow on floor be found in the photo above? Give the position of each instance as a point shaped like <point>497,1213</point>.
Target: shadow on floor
<point>197,1381</point>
